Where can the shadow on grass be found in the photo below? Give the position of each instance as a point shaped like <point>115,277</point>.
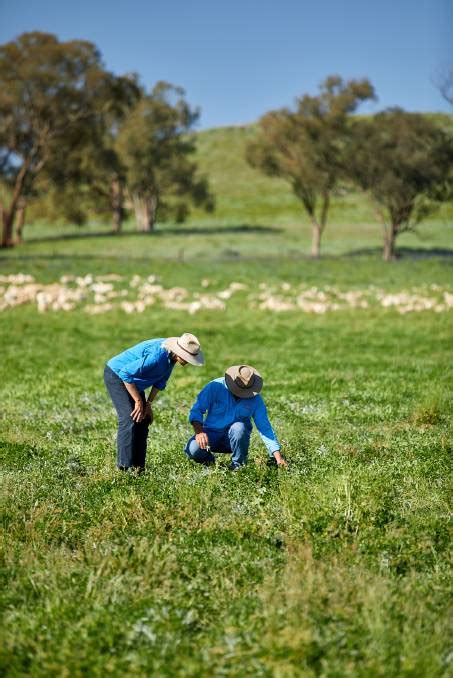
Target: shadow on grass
<point>182,232</point>
<point>226,254</point>
<point>403,252</point>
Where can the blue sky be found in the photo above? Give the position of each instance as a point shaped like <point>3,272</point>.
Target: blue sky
<point>237,59</point>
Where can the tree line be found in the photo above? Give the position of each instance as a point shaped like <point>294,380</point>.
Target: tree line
<point>81,136</point>
<point>403,161</point>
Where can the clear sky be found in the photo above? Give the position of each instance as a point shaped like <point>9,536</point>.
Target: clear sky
<point>237,59</point>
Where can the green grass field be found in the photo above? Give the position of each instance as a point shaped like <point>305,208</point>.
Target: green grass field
<point>339,566</point>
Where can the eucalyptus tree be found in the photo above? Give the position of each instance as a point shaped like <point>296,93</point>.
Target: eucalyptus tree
<point>52,96</point>
<point>93,169</point>
<point>155,147</point>
<point>307,146</point>
<point>404,161</point>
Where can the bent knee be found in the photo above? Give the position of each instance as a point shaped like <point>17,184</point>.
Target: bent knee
<point>192,448</point>
<point>238,428</point>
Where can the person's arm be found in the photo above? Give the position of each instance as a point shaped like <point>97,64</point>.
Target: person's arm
<point>138,368</point>
<point>148,409</point>
<point>152,394</point>
<point>267,433</point>
<point>196,416</point>
<point>138,411</point>
<point>200,436</point>
<point>279,459</point>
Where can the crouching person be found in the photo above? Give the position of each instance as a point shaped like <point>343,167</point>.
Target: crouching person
<point>230,403</point>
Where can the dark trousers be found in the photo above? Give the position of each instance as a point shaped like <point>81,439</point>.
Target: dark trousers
<point>132,436</point>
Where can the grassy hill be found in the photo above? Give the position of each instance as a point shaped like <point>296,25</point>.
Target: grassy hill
<point>245,193</point>
<point>255,216</point>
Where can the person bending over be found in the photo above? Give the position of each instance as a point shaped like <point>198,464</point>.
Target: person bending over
<point>148,364</point>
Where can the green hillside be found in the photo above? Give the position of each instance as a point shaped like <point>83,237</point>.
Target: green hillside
<point>242,190</point>
<point>244,193</point>
<point>255,216</point>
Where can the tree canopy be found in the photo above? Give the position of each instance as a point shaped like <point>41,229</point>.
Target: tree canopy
<point>405,162</point>
<point>307,146</point>
<point>155,149</point>
<point>54,97</point>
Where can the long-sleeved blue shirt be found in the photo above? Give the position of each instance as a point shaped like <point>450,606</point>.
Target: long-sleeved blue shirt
<point>145,364</point>
<point>223,409</point>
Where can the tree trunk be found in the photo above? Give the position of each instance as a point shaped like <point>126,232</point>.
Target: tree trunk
<point>316,232</point>
<point>7,228</point>
<point>20,220</point>
<point>117,199</point>
<point>318,227</point>
<point>390,233</point>
<point>9,215</point>
<point>324,210</point>
<point>145,213</point>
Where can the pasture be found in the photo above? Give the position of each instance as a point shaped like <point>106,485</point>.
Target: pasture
<point>255,216</point>
<point>337,566</point>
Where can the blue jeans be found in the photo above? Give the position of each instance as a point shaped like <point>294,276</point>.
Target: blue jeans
<point>234,440</point>
<point>132,436</point>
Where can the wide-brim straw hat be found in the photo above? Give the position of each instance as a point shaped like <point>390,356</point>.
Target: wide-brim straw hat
<point>186,347</point>
<point>243,381</point>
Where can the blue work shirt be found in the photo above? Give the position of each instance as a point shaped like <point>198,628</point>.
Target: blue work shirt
<point>145,364</point>
<point>223,409</point>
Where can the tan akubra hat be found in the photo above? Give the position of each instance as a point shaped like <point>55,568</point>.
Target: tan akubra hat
<point>186,347</point>
<point>243,381</point>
